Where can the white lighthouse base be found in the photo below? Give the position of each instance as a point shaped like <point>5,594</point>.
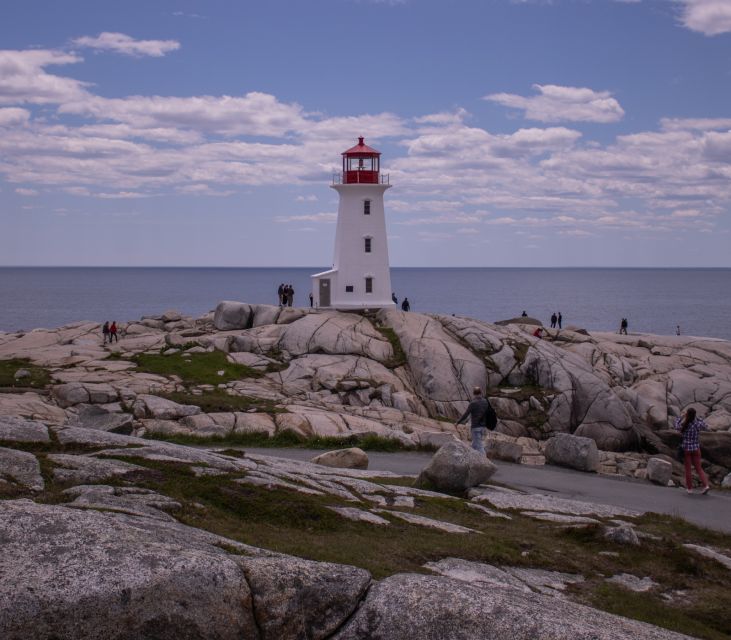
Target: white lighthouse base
<point>329,293</point>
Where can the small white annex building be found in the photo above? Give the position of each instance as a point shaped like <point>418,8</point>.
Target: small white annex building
<point>360,277</point>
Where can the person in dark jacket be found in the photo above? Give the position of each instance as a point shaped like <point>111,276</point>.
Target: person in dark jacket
<point>405,305</point>
<point>105,332</point>
<point>476,411</point>
<point>690,427</point>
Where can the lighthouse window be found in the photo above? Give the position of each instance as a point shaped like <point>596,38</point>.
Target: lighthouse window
<point>367,208</point>
<point>369,285</point>
<point>368,245</point>
<point>348,288</point>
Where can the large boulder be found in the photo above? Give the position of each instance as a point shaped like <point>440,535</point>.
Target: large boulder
<point>572,451</point>
<point>352,458</point>
<point>418,607</point>
<point>716,447</point>
<point>95,417</point>
<point>659,471</point>
<point>456,468</point>
<point>14,429</point>
<point>231,315</point>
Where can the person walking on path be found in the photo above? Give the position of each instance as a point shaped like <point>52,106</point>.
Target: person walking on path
<point>690,427</point>
<point>554,320</point>
<point>623,326</point>
<point>113,332</point>
<point>405,305</point>
<point>477,412</point>
<point>105,332</point>
<point>280,293</point>
<point>560,319</point>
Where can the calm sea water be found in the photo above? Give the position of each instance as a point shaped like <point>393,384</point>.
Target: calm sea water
<point>653,300</point>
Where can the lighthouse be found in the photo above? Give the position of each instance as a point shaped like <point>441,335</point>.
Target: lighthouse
<point>360,277</point>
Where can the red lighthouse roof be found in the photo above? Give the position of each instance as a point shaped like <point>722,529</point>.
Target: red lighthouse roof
<point>361,149</point>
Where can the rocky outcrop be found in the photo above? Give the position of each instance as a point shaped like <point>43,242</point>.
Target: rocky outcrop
<point>456,468</point>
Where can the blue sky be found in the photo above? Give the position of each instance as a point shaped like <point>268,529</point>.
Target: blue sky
<point>515,133</point>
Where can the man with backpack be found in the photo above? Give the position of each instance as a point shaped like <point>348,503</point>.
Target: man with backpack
<point>482,417</point>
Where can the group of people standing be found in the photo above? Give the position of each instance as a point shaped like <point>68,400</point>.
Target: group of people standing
<point>286,295</point>
<point>109,332</point>
<point>556,320</point>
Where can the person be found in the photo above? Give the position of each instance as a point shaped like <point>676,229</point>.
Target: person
<point>524,314</point>
<point>394,298</point>
<point>113,332</point>
<point>560,319</point>
<point>105,331</point>
<point>290,295</point>
<point>280,293</point>
<point>312,300</point>
<point>476,411</point>
<point>690,427</point>
<point>677,330</point>
<point>405,305</point>
<point>538,333</point>
<point>623,326</point>
<point>554,320</point>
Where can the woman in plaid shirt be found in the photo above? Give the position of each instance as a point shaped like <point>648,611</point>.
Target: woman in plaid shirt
<point>690,427</point>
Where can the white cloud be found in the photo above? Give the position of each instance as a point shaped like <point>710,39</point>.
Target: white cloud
<point>709,17</point>
<point>311,217</point>
<point>13,117</point>
<point>126,45</point>
<point>556,103</point>
<point>310,198</point>
<point>255,113</point>
<point>23,78</point>
<point>702,124</point>
<point>26,192</point>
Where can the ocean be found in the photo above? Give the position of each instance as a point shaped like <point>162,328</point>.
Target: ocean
<point>652,300</point>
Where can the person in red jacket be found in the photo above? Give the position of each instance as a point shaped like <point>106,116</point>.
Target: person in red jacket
<point>113,332</point>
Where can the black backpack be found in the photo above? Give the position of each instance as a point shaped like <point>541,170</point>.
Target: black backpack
<point>490,417</point>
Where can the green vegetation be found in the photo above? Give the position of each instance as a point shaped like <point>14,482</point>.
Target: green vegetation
<point>195,368</point>
<point>692,598</point>
<point>399,357</point>
<point>287,439</point>
<point>38,379</point>
<point>218,400</point>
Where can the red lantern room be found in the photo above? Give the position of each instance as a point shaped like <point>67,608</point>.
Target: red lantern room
<point>361,164</point>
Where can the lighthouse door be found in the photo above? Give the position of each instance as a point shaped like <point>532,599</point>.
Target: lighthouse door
<point>324,292</point>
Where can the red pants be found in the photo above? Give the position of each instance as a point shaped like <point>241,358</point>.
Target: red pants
<point>695,457</point>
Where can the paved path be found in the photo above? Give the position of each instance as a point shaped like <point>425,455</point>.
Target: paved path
<point>712,511</point>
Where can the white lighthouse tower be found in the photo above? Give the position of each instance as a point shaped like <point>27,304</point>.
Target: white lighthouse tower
<point>360,277</point>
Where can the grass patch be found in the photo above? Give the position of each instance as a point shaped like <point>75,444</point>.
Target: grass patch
<point>712,624</point>
<point>218,400</point>
<point>38,379</point>
<point>195,368</point>
<point>399,357</point>
<point>287,440</point>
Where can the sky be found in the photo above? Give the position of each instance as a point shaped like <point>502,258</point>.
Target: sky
<point>525,133</point>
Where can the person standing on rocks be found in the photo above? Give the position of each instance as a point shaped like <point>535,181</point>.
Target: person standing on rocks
<point>290,295</point>
<point>113,332</point>
<point>623,326</point>
<point>394,298</point>
<point>477,412</point>
<point>405,305</point>
<point>690,427</point>
<point>280,293</point>
<point>554,320</point>
<point>560,319</point>
<point>105,332</point>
